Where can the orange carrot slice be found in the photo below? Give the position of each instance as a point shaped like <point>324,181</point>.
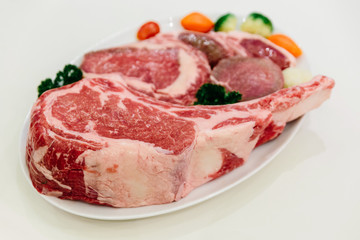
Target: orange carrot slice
<point>287,43</point>
<point>198,22</point>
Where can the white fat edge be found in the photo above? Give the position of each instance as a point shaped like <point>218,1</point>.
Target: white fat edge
<point>87,135</point>
<point>121,142</point>
<point>221,38</point>
<point>232,40</point>
<point>220,116</point>
<point>140,85</point>
<point>103,97</point>
<point>308,102</point>
<point>143,172</point>
<point>188,66</point>
<point>224,138</point>
<point>37,157</point>
<point>124,81</point>
<point>116,78</point>
<point>207,157</point>
<point>54,193</point>
<point>163,151</point>
<point>188,72</point>
<point>300,106</point>
<point>241,35</point>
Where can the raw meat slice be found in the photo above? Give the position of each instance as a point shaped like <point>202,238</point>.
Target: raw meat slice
<point>252,77</point>
<point>172,66</point>
<point>252,45</point>
<point>213,49</point>
<point>162,67</point>
<point>99,141</point>
<point>219,45</point>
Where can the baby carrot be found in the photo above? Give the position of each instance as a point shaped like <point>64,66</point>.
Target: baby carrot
<point>287,43</point>
<point>196,21</point>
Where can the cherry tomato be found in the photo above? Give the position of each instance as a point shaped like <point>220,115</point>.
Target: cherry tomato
<point>148,30</point>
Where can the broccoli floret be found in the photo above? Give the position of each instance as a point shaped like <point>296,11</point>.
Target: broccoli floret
<point>70,74</point>
<point>211,94</point>
<point>232,97</point>
<point>59,80</point>
<point>45,85</point>
<point>258,24</point>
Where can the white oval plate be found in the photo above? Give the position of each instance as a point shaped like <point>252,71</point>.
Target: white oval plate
<point>258,159</point>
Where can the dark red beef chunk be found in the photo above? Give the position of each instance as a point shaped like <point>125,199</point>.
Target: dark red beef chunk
<point>252,77</point>
<point>258,48</point>
<point>212,49</point>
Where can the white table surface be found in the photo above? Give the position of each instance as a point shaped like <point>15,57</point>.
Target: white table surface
<point>309,191</point>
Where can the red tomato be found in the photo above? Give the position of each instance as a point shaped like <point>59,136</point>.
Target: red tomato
<point>148,30</point>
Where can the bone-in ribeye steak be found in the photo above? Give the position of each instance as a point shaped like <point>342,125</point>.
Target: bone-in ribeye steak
<point>124,137</point>
<point>102,142</point>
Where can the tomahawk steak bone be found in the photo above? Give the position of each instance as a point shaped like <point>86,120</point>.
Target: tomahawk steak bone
<point>101,142</point>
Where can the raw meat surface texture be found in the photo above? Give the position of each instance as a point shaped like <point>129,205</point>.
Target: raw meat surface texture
<point>102,142</point>
<point>161,67</point>
<point>172,66</point>
<point>220,45</point>
<point>252,77</point>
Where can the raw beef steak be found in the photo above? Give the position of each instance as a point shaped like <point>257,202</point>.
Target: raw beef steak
<point>219,45</point>
<point>252,77</point>
<point>161,67</point>
<point>252,45</point>
<point>214,50</point>
<point>172,66</point>
<point>100,141</point>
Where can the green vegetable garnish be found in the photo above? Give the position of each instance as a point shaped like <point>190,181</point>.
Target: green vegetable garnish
<point>211,94</point>
<point>45,85</point>
<point>226,23</point>
<point>70,74</point>
<point>258,24</point>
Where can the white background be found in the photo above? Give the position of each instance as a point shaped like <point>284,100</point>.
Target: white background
<point>311,190</point>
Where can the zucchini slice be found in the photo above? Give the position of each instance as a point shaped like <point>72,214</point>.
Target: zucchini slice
<point>257,23</point>
<point>226,23</point>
